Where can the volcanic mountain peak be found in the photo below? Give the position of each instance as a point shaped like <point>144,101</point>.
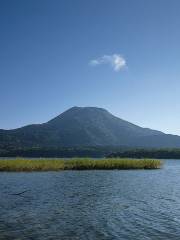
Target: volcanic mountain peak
<point>86,126</point>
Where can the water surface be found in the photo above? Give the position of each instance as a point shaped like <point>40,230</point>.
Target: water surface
<point>124,204</point>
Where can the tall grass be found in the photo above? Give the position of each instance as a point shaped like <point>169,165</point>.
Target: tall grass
<point>20,164</point>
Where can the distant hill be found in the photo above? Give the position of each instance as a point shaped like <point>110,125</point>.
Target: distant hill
<point>85,126</point>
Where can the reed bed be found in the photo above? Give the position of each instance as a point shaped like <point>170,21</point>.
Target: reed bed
<point>20,165</point>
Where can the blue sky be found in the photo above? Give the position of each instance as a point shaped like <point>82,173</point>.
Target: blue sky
<point>122,55</point>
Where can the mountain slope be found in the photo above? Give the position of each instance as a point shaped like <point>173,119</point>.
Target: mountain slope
<point>85,126</point>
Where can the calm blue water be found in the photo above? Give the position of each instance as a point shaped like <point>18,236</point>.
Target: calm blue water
<point>93,205</point>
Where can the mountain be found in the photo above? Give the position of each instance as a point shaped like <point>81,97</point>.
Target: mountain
<point>85,126</point>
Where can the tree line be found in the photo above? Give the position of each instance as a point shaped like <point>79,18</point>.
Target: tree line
<point>165,153</point>
<point>92,151</point>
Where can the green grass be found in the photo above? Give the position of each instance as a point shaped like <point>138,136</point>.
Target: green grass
<point>20,164</point>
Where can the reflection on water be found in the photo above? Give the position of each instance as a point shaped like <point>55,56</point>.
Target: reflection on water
<point>91,204</point>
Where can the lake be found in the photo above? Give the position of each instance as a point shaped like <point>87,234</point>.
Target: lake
<point>124,204</point>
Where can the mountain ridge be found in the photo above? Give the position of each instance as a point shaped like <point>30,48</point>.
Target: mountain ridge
<point>86,126</point>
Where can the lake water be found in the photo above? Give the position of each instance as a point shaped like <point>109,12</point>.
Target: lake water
<point>128,204</point>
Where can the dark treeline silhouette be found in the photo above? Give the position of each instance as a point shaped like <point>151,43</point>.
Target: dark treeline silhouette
<point>96,152</point>
<point>59,152</point>
<point>168,153</point>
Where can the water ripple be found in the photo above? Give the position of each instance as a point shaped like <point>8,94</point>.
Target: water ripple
<point>102,205</point>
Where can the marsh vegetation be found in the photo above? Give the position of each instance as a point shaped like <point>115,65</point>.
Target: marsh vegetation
<point>20,164</point>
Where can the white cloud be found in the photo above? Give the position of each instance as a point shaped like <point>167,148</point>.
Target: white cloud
<point>116,61</point>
